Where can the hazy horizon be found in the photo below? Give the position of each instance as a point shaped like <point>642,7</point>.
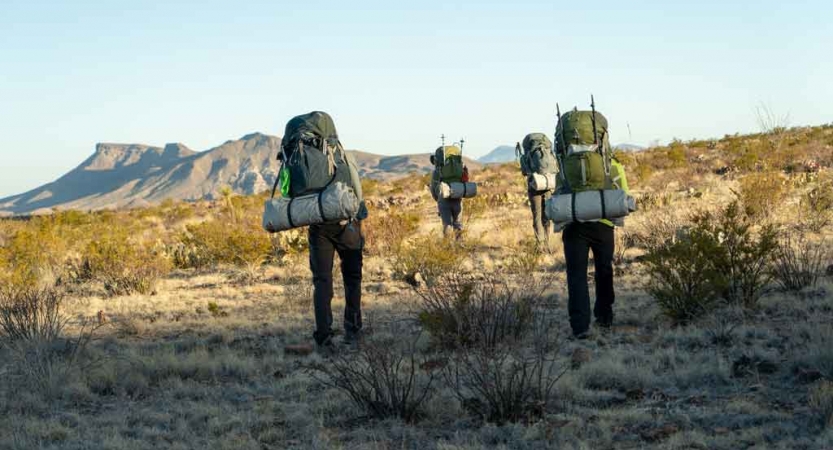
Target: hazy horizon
<point>394,77</point>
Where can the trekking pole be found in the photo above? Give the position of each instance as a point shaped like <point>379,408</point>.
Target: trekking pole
<point>462,141</point>
<point>593,109</point>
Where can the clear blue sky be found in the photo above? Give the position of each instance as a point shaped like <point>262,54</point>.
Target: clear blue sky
<point>73,73</point>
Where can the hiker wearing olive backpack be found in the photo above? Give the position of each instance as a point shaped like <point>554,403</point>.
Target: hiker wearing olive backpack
<point>450,184</point>
<point>591,199</point>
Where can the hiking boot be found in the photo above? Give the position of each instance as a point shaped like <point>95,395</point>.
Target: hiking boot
<point>583,336</point>
<point>325,347</point>
<point>605,323</point>
<point>353,339</point>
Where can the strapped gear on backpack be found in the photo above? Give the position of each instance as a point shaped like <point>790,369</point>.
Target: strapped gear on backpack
<point>586,190</point>
<point>538,162</point>
<point>450,177</point>
<point>314,167</point>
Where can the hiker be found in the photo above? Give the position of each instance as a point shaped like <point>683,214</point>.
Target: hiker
<point>589,181</point>
<point>538,164</point>
<point>449,185</point>
<point>316,169</point>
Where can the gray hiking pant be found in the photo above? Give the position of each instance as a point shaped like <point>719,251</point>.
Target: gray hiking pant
<point>539,218</point>
<point>450,210</point>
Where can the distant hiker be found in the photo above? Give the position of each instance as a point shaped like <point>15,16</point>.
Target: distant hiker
<point>538,164</point>
<point>449,186</point>
<point>591,197</point>
<point>320,187</point>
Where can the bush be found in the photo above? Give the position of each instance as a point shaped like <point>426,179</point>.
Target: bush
<point>32,324</point>
<point>382,379</point>
<point>507,383</point>
<point>386,232</point>
<point>218,242</point>
<point>821,399</point>
<point>123,266</point>
<point>817,206</point>
<point>31,314</point>
<point>799,261</point>
<point>719,255</point>
<point>683,277</point>
<point>745,257</point>
<point>460,310</point>
<point>427,258</point>
<point>760,193</point>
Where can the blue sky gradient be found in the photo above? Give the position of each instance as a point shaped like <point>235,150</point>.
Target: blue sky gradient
<point>394,77</point>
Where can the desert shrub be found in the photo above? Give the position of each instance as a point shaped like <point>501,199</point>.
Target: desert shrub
<point>817,206</point>
<point>218,242</point>
<point>799,261</point>
<point>508,382</point>
<point>31,313</point>
<point>760,193</point>
<point>370,187</point>
<point>643,173</point>
<point>123,266</point>
<point>32,325</point>
<point>676,154</point>
<point>821,399</point>
<point>34,253</point>
<point>290,243</point>
<point>382,378</point>
<point>744,256</point>
<point>719,255</point>
<point>683,277</point>
<point>428,258</point>
<point>386,232</point>
<point>461,310</point>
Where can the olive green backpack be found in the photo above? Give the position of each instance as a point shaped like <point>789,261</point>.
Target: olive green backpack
<point>448,161</point>
<point>583,150</point>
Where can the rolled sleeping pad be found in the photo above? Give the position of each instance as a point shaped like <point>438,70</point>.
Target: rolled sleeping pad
<point>335,203</point>
<point>590,206</point>
<point>458,190</point>
<point>538,182</point>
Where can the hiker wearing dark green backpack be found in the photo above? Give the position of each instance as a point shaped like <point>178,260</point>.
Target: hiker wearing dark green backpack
<point>591,198</point>
<point>450,184</point>
<point>539,166</point>
<point>320,187</point>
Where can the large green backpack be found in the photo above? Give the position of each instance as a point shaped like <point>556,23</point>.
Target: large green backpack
<point>583,149</point>
<point>313,157</point>
<point>448,162</point>
<point>537,156</point>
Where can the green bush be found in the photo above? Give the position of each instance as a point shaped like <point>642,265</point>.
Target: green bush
<point>462,311</point>
<point>817,206</point>
<point>217,242</point>
<point>429,258</point>
<point>386,232</point>
<point>683,277</point>
<point>719,255</point>
<point>124,266</point>
<point>799,261</point>
<point>760,193</point>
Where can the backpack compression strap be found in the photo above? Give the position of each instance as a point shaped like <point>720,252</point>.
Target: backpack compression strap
<point>321,206</point>
<point>604,208</point>
<point>289,213</point>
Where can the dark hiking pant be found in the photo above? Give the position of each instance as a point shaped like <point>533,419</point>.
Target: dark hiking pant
<point>450,210</point>
<point>539,218</point>
<point>324,241</point>
<point>578,239</point>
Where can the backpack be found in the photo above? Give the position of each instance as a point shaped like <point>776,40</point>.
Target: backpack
<point>448,162</point>
<point>312,158</point>
<point>583,149</point>
<point>537,156</point>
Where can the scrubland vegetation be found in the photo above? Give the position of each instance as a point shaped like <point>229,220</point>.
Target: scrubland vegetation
<point>183,325</point>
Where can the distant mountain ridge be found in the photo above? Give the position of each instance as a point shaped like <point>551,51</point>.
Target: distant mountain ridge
<point>131,175</point>
<point>501,154</point>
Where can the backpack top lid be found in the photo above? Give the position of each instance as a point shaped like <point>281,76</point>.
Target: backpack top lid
<point>316,124</point>
<point>444,152</point>
<point>576,128</point>
<point>534,141</point>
